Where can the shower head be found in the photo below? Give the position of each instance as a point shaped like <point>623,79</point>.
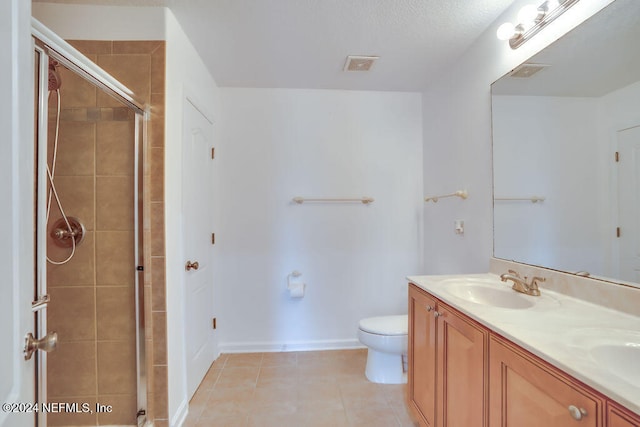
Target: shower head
<point>55,81</point>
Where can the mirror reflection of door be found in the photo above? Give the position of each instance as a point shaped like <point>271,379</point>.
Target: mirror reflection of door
<point>629,202</point>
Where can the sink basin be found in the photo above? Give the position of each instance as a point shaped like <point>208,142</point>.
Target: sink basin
<point>616,350</point>
<point>488,292</point>
<point>622,360</point>
<point>490,295</point>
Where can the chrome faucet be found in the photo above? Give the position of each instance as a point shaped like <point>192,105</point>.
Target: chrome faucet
<point>521,285</point>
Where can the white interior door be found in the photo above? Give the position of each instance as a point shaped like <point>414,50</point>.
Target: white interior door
<point>17,376</point>
<point>629,203</point>
<point>197,243</point>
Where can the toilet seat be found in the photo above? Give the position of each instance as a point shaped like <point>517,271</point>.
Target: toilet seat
<point>385,325</point>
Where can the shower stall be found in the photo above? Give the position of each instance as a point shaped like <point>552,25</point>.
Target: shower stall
<point>89,302</point>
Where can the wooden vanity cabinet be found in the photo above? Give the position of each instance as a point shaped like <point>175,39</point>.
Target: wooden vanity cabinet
<point>447,364</point>
<point>422,356</point>
<point>461,374</point>
<point>527,392</point>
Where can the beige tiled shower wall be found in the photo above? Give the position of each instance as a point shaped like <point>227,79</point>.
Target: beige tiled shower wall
<point>93,305</point>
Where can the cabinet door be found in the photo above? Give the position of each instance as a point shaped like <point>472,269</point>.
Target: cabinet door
<point>462,360</point>
<point>620,417</point>
<point>422,355</point>
<point>526,392</point>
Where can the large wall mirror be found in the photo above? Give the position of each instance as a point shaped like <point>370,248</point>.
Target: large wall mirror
<point>561,200</point>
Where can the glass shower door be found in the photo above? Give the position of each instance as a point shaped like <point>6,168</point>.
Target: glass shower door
<point>90,249</point>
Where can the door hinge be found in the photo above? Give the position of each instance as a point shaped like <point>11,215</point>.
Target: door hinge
<point>213,152</point>
<point>617,156</point>
<point>617,231</point>
<point>213,238</point>
<point>214,323</point>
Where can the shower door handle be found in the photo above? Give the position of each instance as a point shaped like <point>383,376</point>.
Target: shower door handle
<point>47,343</point>
<point>191,265</point>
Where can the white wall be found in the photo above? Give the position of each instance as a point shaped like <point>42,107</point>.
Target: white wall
<point>620,108</point>
<point>457,143</point>
<point>281,143</point>
<point>557,156</point>
<point>85,22</point>
<point>186,75</point>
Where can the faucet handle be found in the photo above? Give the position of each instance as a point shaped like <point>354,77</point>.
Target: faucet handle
<point>535,280</point>
<point>515,273</point>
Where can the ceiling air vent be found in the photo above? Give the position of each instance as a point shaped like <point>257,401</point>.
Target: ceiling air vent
<point>359,63</point>
<point>525,71</point>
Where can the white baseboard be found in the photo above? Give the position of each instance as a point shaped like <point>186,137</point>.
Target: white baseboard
<point>181,414</point>
<point>275,346</point>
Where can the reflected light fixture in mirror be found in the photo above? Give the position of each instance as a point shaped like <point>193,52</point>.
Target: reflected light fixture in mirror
<point>532,20</point>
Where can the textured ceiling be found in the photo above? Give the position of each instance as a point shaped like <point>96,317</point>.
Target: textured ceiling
<point>304,43</point>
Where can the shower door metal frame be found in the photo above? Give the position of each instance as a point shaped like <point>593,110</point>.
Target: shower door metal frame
<point>48,44</point>
<point>40,226</point>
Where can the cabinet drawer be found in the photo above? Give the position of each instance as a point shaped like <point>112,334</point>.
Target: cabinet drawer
<point>526,392</point>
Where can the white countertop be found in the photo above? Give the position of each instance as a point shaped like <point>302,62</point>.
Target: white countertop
<point>559,329</point>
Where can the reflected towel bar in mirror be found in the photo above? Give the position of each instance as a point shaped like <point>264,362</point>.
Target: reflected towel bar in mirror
<point>363,200</point>
<point>460,193</point>
<point>533,199</point>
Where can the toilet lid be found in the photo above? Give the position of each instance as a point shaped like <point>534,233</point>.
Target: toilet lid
<point>386,325</point>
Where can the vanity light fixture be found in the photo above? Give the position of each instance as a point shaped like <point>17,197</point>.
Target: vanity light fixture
<point>532,19</point>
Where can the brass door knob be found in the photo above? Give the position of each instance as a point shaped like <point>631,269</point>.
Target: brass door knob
<point>191,266</point>
<point>47,343</point>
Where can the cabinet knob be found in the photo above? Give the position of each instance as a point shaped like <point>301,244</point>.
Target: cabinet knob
<point>577,413</point>
<point>437,314</point>
<point>429,308</point>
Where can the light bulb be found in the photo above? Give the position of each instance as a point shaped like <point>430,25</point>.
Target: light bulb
<point>506,31</point>
<point>528,13</point>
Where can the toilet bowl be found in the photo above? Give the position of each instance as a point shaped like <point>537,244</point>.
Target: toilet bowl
<point>386,339</point>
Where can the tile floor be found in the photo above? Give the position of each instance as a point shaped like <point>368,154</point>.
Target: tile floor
<point>296,389</point>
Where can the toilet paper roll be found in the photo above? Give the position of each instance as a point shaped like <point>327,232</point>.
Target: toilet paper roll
<point>296,290</point>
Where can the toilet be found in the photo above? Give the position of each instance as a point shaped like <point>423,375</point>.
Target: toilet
<point>386,339</point>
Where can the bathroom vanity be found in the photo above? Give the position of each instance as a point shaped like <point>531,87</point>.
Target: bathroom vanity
<point>481,354</point>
